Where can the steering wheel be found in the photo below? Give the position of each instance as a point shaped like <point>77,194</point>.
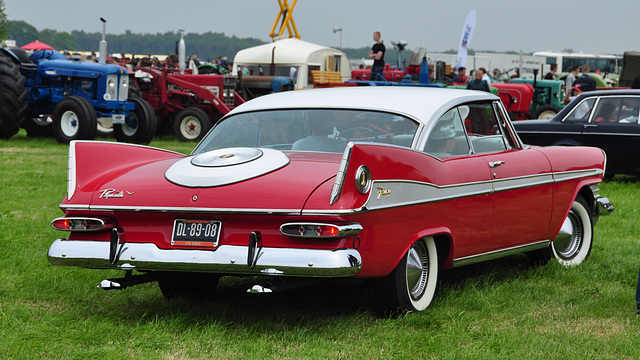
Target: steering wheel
<point>358,129</point>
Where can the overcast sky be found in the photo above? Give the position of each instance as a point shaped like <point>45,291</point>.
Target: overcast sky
<point>502,25</point>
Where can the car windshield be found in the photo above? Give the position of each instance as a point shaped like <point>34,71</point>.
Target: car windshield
<point>324,130</point>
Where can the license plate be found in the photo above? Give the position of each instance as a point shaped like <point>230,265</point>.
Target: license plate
<point>203,233</point>
<point>118,119</point>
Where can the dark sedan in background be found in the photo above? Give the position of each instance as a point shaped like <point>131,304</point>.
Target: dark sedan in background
<point>606,119</point>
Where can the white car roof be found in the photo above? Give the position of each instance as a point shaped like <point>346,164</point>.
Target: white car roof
<point>421,103</point>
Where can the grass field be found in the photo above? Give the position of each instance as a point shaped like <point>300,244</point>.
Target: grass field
<point>503,309</point>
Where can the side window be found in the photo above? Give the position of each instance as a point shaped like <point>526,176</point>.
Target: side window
<point>448,138</point>
<point>581,112</point>
<point>481,120</point>
<point>629,111</point>
<point>484,131</point>
<point>622,110</point>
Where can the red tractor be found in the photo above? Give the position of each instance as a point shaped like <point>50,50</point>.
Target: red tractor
<point>192,103</point>
<point>516,98</point>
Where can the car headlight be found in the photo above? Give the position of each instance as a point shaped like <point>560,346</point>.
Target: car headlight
<point>111,83</point>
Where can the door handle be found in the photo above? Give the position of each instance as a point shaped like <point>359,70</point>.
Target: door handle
<point>495,164</point>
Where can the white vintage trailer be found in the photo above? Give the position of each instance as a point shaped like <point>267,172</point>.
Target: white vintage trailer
<point>292,58</point>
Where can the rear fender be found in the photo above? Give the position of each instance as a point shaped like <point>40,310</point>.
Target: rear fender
<point>11,55</point>
<point>575,169</point>
<point>89,159</point>
<point>444,243</point>
<point>384,162</point>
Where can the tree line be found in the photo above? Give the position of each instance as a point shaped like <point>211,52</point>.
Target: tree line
<point>206,46</point>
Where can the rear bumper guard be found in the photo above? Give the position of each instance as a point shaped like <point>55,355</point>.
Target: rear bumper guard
<point>604,206</point>
<point>226,259</point>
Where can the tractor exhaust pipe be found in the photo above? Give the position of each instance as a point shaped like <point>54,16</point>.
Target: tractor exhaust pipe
<point>102,48</point>
<point>182,52</point>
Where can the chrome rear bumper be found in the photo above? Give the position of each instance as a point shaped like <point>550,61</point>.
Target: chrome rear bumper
<point>604,206</point>
<point>601,205</point>
<point>226,259</point>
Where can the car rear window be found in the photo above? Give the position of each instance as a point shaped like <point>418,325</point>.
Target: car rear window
<point>323,130</point>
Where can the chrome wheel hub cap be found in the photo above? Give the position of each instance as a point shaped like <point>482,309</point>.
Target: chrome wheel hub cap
<point>569,239</point>
<point>417,270</point>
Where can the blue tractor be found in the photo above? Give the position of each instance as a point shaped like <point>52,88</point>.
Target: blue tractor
<point>48,94</point>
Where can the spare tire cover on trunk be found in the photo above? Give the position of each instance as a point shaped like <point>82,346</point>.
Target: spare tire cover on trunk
<point>225,166</point>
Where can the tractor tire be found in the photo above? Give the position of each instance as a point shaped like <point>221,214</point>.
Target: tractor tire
<point>13,97</point>
<point>37,127</point>
<point>134,90</point>
<point>191,124</point>
<point>74,118</point>
<point>140,127</point>
<point>546,111</point>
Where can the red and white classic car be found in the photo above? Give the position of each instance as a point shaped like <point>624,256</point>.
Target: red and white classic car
<point>386,183</point>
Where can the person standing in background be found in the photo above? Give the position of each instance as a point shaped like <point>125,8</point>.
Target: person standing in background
<point>478,83</point>
<point>552,72</point>
<point>486,77</point>
<point>568,85</point>
<point>462,77</point>
<point>586,82</point>
<point>377,54</point>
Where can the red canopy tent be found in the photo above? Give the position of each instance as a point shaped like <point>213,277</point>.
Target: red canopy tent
<point>36,45</point>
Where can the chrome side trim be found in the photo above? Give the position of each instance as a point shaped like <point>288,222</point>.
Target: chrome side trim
<point>576,174</point>
<point>499,253</point>
<point>226,259</point>
<point>73,207</point>
<point>522,182</point>
<point>403,192</point>
<point>191,210</point>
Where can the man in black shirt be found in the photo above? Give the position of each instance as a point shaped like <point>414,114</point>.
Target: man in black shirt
<point>377,54</point>
<point>552,73</point>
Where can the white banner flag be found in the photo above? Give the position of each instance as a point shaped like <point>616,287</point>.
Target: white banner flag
<point>467,32</point>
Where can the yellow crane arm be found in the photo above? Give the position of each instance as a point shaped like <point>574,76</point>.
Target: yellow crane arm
<point>287,22</point>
